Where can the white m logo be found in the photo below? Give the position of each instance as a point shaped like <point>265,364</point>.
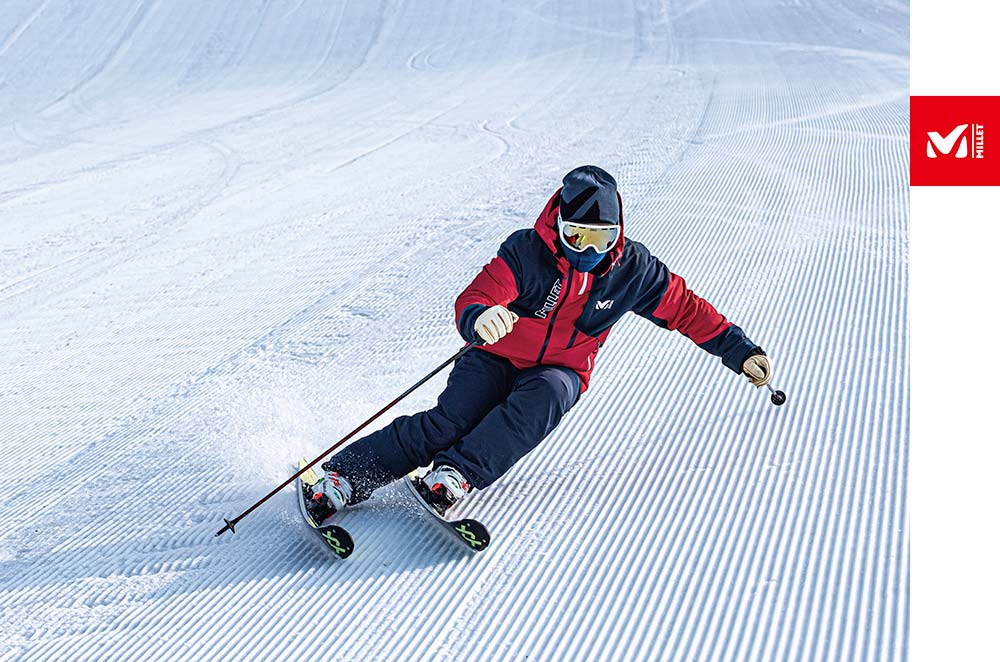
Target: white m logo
<point>945,145</point>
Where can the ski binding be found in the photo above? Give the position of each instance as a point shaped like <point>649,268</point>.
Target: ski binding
<point>471,533</point>
<point>335,537</point>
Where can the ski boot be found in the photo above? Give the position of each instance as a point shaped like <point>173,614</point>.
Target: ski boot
<point>328,495</point>
<point>442,488</point>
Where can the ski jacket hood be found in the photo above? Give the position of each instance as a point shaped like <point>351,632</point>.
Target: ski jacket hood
<point>546,228</point>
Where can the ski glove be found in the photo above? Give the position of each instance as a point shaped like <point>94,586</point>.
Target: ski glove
<point>758,369</point>
<point>494,323</point>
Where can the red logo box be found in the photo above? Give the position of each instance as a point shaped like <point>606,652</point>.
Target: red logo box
<point>951,141</point>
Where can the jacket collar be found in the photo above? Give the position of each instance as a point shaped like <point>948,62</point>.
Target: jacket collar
<point>545,226</point>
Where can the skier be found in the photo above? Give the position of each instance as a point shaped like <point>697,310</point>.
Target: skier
<point>542,309</point>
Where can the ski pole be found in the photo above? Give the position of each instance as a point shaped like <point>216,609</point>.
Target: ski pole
<point>231,523</point>
<point>777,397</point>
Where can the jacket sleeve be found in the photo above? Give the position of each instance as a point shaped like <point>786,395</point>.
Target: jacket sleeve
<point>667,302</point>
<point>495,284</point>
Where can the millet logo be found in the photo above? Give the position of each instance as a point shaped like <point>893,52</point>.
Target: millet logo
<point>550,301</point>
<point>948,141</point>
<point>961,136</point>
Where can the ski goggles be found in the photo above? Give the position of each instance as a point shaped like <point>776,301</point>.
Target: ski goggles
<point>581,236</point>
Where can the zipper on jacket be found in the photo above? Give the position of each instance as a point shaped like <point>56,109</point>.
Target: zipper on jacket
<point>555,311</point>
<point>572,338</point>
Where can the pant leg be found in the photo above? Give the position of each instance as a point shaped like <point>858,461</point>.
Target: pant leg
<point>540,397</point>
<point>478,383</point>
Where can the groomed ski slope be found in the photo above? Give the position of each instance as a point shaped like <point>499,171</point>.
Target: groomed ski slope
<point>231,230</point>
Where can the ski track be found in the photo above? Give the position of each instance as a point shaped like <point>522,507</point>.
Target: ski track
<point>214,232</point>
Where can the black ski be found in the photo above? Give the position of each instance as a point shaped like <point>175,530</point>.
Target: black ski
<point>335,537</point>
<point>471,533</point>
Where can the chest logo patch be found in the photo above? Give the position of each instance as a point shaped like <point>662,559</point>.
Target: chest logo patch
<point>605,305</point>
<point>550,301</point>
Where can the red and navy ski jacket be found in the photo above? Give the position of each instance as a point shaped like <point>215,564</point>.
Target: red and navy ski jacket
<point>566,315</point>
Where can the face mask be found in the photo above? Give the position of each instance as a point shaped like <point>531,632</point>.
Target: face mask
<point>584,261</point>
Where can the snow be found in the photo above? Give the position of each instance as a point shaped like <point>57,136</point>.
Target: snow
<point>233,230</point>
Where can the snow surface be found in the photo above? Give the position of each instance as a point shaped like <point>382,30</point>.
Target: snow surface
<point>231,230</point>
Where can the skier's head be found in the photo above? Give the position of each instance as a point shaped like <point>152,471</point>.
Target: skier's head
<point>589,211</point>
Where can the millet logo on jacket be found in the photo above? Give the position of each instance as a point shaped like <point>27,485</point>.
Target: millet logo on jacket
<point>550,300</point>
<point>605,305</point>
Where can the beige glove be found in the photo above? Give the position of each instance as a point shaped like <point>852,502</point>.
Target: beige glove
<point>758,369</point>
<point>494,323</point>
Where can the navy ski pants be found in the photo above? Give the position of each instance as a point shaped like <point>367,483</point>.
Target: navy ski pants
<point>488,417</point>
